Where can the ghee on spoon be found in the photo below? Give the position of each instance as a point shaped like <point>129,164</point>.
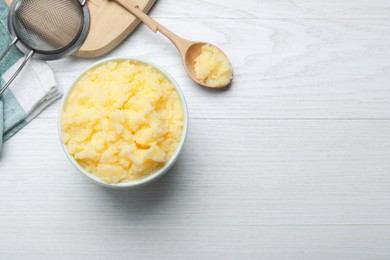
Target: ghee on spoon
<point>205,63</point>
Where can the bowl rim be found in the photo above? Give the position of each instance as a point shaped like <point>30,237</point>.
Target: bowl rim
<point>155,175</point>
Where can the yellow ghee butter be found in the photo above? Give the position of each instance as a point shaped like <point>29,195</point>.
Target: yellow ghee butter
<point>122,120</point>
<point>212,67</point>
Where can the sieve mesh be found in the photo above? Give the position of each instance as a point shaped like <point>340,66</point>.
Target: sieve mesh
<point>48,26</point>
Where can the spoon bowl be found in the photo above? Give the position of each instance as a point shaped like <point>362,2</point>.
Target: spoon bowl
<point>189,57</point>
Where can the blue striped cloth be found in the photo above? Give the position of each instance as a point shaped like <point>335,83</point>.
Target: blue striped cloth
<point>32,91</point>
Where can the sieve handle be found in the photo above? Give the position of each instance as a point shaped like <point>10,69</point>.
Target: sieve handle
<point>16,72</point>
<point>14,41</point>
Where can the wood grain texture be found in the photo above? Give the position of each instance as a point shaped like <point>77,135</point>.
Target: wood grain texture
<point>253,9</point>
<point>291,162</point>
<point>214,242</point>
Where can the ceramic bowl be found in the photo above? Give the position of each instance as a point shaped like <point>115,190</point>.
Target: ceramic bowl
<point>150,178</point>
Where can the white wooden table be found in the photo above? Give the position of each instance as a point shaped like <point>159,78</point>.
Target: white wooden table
<point>291,162</point>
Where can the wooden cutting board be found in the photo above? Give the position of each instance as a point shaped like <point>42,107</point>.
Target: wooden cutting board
<point>110,25</point>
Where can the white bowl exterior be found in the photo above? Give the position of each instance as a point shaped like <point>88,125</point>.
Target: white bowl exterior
<point>157,174</point>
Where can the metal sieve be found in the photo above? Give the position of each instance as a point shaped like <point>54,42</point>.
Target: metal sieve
<point>46,29</point>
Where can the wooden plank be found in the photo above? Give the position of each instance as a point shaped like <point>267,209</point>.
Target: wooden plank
<point>232,172</point>
<point>283,68</point>
<point>368,9</point>
<point>46,241</point>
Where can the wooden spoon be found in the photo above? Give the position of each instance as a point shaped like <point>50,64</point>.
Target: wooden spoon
<point>189,50</point>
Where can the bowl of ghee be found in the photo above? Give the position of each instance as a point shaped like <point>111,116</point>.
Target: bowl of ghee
<point>123,122</point>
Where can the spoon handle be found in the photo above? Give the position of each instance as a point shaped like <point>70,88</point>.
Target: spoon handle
<point>181,44</point>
